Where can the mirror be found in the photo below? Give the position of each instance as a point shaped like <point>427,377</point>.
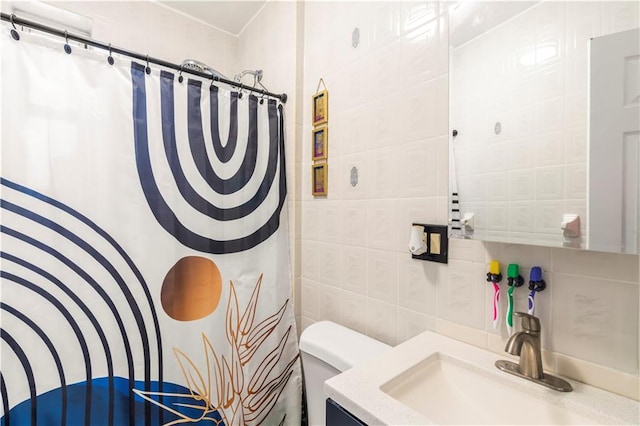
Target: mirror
<point>523,140</point>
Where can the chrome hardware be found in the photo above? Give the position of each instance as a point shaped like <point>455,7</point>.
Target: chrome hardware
<point>526,345</point>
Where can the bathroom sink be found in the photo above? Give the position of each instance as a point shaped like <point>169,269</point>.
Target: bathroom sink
<point>450,391</point>
<point>432,379</point>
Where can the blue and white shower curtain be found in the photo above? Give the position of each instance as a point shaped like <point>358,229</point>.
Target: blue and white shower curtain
<point>145,271</point>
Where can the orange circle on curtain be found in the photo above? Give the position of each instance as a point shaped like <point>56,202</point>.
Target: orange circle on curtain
<point>191,289</point>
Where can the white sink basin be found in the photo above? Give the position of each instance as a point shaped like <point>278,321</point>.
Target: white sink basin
<point>450,391</point>
<point>432,379</point>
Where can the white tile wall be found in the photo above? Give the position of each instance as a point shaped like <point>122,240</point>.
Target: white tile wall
<point>329,303</point>
<point>457,299</point>
<point>388,117</point>
<point>594,318</point>
<point>411,323</point>
<point>382,321</point>
<point>418,285</point>
<point>353,308</point>
<point>381,230</point>
<point>353,271</point>
<point>329,260</point>
<point>382,276</point>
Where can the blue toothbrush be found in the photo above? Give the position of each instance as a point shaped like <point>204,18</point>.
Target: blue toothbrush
<point>536,283</point>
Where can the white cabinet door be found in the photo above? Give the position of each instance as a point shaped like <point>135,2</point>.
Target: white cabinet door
<point>614,143</point>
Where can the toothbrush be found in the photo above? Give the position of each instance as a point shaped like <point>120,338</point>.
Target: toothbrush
<point>536,283</point>
<point>513,280</point>
<point>494,276</point>
<point>532,305</point>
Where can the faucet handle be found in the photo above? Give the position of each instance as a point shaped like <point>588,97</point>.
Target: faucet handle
<point>529,322</point>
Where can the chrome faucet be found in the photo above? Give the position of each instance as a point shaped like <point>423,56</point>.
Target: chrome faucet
<point>526,345</point>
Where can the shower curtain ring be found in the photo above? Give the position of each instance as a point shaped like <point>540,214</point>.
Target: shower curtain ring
<point>110,58</point>
<point>262,96</point>
<point>147,69</point>
<point>14,31</point>
<point>240,93</point>
<point>67,48</point>
<point>180,77</point>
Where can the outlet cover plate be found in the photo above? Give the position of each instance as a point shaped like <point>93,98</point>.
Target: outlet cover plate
<point>443,255</point>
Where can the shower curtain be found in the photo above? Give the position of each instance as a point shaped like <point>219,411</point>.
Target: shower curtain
<point>145,271</point>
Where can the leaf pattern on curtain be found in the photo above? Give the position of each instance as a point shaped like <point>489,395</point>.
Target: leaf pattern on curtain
<point>221,386</point>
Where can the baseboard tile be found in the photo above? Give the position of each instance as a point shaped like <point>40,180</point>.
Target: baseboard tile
<point>599,376</point>
<point>463,333</point>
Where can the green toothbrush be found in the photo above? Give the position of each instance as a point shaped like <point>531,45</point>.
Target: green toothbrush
<point>513,280</point>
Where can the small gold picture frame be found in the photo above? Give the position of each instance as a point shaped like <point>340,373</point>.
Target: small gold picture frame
<point>319,143</point>
<point>319,173</point>
<point>320,109</point>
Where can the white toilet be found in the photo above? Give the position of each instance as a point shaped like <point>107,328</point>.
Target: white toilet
<point>328,349</point>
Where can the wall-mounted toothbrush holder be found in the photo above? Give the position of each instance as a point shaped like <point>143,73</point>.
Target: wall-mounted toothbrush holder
<point>536,285</point>
<point>436,239</point>
<point>514,279</point>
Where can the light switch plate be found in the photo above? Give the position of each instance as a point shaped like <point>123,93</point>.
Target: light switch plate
<point>438,247</point>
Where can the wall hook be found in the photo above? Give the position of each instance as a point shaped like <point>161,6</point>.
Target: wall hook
<point>14,31</point>
<point>67,48</point>
<point>110,58</point>
<point>468,221</point>
<point>147,69</point>
<point>570,225</point>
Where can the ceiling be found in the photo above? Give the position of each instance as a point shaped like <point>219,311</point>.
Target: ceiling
<point>469,19</point>
<point>230,16</point>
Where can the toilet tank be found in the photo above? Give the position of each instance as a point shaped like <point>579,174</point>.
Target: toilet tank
<point>327,349</point>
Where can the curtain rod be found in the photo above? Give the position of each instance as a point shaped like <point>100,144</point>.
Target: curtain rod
<point>13,19</point>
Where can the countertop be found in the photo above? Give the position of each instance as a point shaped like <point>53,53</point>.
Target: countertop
<point>358,389</point>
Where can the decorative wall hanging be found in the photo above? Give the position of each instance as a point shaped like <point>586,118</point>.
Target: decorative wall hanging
<point>319,143</point>
<point>319,140</point>
<point>319,173</point>
<point>320,109</point>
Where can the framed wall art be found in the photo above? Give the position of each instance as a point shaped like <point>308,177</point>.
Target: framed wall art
<point>319,175</point>
<point>320,108</point>
<point>319,143</point>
